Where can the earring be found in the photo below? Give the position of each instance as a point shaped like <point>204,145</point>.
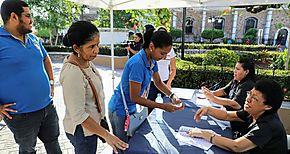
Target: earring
<point>78,55</point>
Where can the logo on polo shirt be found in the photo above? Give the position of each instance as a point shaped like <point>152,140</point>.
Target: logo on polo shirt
<point>36,44</point>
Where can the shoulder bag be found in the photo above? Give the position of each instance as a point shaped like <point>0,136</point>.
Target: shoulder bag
<point>135,120</point>
<point>103,122</point>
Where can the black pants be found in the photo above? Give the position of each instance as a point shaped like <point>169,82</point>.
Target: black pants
<point>153,93</point>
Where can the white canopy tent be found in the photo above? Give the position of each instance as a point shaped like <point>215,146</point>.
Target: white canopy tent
<point>152,4</point>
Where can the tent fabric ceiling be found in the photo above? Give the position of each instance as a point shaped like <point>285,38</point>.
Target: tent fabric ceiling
<point>150,4</point>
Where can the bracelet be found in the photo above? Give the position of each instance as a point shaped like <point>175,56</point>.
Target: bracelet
<point>211,137</point>
<point>51,82</point>
<point>171,95</point>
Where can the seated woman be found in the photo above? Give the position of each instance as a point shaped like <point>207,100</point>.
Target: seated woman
<point>265,134</point>
<point>233,95</point>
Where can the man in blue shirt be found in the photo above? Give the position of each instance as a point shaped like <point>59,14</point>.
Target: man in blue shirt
<point>26,82</point>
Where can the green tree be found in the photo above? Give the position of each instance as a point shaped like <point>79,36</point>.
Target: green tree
<point>129,18</point>
<point>121,18</point>
<point>163,17</point>
<point>212,34</point>
<point>53,15</point>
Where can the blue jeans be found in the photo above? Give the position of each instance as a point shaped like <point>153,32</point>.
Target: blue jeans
<point>117,123</point>
<point>43,124</point>
<point>83,144</point>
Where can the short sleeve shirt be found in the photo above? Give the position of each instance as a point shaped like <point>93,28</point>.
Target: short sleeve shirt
<point>23,78</point>
<point>237,91</point>
<point>267,133</point>
<point>137,69</point>
<point>163,65</point>
<point>135,47</point>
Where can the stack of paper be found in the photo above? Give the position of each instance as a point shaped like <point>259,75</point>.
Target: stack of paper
<point>184,139</point>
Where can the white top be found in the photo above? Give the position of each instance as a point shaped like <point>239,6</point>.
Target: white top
<point>163,65</point>
<point>79,98</point>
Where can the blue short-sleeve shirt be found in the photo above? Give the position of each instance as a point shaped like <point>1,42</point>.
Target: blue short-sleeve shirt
<point>137,69</point>
<point>23,78</point>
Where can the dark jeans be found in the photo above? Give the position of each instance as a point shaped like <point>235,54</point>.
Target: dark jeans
<point>83,144</point>
<point>43,124</point>
<point>117,123</point>
<point>153,93</point>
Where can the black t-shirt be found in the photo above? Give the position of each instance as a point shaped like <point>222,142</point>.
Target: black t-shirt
<point>237,91</point>
<point>267,133</point>
<point>136,47</point>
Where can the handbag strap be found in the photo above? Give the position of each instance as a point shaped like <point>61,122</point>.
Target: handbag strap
<point>124,100</point>
<point>97,102</point>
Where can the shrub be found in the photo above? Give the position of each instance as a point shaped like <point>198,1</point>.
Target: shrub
<point>239,47</point>
<point>175,33</point>
<point>223,57</point>
<point>189,75</point>
<point>250,35</point>
<point>195,58</point>
<point>103,50</point>
<point>212,34</point>
<point>280,60</point>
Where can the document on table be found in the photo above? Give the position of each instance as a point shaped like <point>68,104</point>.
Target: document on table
<point>201,101</point>
<point>184,139</point>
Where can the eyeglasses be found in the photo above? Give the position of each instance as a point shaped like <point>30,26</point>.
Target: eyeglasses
<point>250,95</point>
<point>28,15</point>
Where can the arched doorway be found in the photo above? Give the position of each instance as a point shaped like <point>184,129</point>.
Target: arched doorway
<point>282,37</point>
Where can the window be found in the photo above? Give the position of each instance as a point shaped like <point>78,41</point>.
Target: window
<point>189,25</point>
<point>250,22</point>
<point>219,23</point>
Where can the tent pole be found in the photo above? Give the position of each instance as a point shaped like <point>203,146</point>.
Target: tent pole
<point>182,35</point>
<point>288,54</point>
<point>112,48</point>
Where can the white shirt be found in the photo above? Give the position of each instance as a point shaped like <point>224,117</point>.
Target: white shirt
<point>163,65</point>
<point>79,98</point>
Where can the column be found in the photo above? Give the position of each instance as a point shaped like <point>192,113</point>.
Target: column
<point>235,21</point>
<point>267,25</point>
<point>203,22</point>
<point>174,19</point>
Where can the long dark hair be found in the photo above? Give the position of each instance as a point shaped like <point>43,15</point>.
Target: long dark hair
<point>79,33</point>
<point>140,36</point>
<point>160,39</point>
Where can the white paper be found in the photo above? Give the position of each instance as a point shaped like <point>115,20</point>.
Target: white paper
<point>184,139</point>
<point>203,117</point>
<point>222,124</point>
<point>211,122</point>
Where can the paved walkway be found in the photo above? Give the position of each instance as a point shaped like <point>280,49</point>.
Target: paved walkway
<point>7,143</point>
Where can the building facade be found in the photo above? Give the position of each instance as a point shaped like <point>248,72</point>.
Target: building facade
<point>273,25</point>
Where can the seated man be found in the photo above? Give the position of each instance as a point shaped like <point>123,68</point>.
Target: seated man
<point>265,134</point>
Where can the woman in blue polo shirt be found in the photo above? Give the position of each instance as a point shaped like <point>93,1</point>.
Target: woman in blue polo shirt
<point>135,79</point>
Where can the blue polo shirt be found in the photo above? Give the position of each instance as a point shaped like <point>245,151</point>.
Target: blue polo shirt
<point>23,78</point>
<point>137,69</point>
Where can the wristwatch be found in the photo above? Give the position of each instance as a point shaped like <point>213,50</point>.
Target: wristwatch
<point>51,82</point>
